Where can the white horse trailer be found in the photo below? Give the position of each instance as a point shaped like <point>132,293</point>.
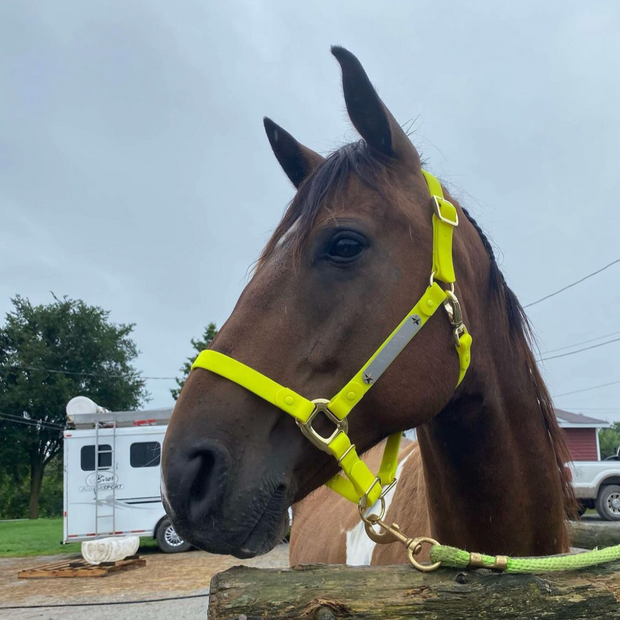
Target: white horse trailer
<point>112,470</point>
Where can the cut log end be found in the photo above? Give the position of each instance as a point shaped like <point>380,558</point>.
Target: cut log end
<point>592,534</point>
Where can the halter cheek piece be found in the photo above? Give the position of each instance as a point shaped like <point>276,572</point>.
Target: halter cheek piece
<point>360,485</point>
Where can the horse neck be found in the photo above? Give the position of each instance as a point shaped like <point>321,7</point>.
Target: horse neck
<point>491,456</point>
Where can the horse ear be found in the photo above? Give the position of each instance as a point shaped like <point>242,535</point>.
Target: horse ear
<point>368,113</point>
<point>297,160</point>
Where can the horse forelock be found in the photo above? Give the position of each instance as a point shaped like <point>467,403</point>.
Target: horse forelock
<point>327,181</point>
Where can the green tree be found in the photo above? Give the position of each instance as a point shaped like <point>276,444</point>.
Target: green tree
<point>609,440</point>
<point>199,344</point>
<point>49,354</point>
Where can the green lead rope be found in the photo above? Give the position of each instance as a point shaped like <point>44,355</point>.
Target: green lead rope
<point>457,558</point>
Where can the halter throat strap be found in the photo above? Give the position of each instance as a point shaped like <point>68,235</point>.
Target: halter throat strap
<point>360,484</point>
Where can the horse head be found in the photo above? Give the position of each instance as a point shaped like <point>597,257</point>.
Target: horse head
<point>350,257</point>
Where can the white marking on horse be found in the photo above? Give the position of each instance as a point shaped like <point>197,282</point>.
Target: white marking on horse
<point>282,240</point>
<point>359,547</point>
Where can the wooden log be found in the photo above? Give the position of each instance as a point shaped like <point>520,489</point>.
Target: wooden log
<point>321,592</point>
<point>591,534</point>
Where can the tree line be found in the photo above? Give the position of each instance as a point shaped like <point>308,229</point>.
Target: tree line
<point>50,353</point>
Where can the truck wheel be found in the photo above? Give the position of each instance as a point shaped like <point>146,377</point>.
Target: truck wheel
<point>168,540</point>
<point>608,502</point>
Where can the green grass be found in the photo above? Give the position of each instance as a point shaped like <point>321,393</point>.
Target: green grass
<point>40,537</point>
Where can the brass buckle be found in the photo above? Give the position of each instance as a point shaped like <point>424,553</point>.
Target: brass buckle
<point>453,308</point>
<point>455,314</point>
<point>390,533</point>
<point>322,443</point>
<point>437,210</point>
<point>362,504</point>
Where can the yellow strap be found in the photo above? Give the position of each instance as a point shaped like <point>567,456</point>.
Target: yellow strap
<point>389,463</point>
<point>434,186</point>
<point>284,398</point>
<point>343,487</point>
<point>443,227</point>
<point>361,479</point>
<point>351,394</point>
<point>464,351</point>
<point>353,488</point>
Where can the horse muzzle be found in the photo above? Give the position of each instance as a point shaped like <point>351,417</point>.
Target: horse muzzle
<point>211,511</point>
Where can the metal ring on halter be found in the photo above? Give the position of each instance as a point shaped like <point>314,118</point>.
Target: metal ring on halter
<point>414,547</point>
<point>389,487</point>
<point>371,518</point>
<point>322,443</point>
<point>432,279</point>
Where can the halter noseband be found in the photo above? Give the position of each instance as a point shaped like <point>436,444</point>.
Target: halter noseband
<point>361,485</point>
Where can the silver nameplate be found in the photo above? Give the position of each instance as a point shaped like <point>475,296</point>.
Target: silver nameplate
<point>392,349</point>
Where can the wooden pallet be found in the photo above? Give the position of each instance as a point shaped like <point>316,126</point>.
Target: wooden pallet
<point>81,568</point>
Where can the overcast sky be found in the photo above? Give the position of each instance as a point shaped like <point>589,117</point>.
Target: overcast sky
<point>135,173</point>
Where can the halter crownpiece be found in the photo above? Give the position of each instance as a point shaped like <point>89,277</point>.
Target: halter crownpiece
<point>361,485</point>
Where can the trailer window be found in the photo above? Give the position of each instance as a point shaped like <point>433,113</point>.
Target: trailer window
<point>87,457</point>
<point>145,454</point>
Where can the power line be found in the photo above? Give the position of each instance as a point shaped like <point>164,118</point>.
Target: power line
<point>573,284</point>
<point>576,344</point>
<point>19,417</point>
<point>26,422</point>
<point>594,387</point>
<point>30,420</point>
<point>85,374</point>
<point>594,346</point>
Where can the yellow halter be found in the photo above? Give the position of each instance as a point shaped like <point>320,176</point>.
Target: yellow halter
<point>360,484</point>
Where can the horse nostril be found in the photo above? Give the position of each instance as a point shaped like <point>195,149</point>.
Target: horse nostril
<point>203,482</point>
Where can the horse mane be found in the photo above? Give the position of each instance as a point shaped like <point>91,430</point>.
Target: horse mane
<point>523,339</point>
<point>330,179</point>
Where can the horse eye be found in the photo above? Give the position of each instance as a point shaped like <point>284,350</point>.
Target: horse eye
<point>345,248</point>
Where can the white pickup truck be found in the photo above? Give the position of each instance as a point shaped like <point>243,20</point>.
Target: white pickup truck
<point>597,485</point>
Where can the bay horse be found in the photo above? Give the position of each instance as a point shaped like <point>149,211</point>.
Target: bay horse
<point>349,258</point>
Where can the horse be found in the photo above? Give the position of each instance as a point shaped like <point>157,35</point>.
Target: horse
<point>350,256</point>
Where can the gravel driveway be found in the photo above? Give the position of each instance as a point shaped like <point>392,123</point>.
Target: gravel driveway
<point>164,576</point>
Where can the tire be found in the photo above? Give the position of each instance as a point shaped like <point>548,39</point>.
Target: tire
<point>168,540</point>
<point>608,502</point>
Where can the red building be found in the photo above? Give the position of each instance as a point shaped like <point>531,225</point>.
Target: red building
<point>581,434</point>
